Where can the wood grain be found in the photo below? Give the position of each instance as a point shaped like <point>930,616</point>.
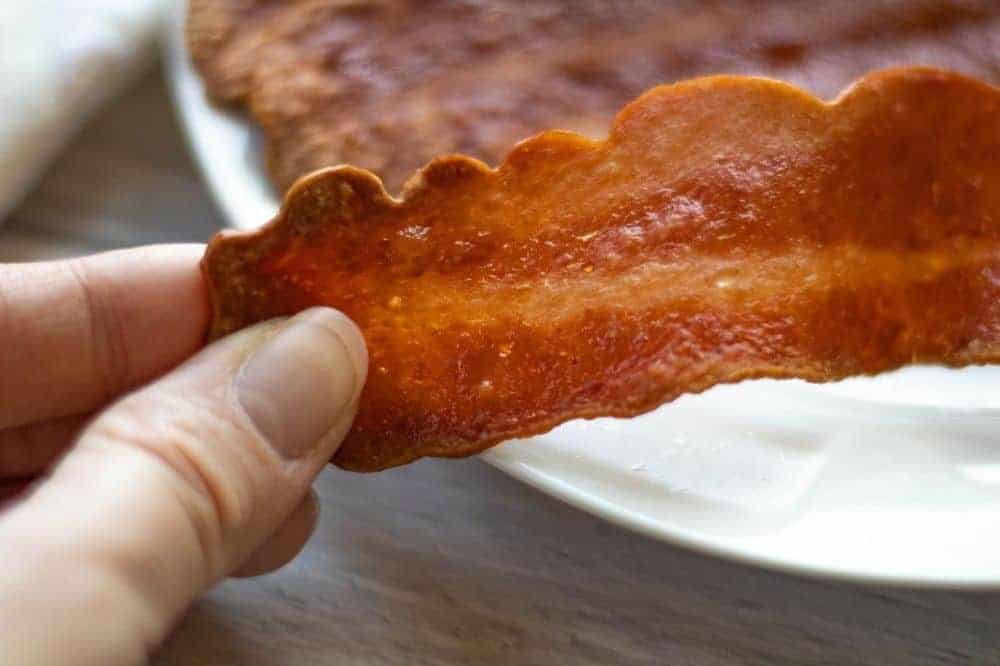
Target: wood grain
<point>448,562</point>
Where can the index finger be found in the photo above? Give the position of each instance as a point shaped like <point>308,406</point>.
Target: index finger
<point>74,334</point>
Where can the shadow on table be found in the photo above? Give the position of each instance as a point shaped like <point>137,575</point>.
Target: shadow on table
<point>452,562</point>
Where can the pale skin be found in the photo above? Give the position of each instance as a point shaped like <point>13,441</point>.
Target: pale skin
<point>138,469</point>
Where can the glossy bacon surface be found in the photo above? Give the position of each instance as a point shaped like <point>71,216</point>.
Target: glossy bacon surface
<point>728,228</point>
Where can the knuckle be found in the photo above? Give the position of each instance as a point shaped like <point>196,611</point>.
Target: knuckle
<point>184,440</point>
<point>107,347</point>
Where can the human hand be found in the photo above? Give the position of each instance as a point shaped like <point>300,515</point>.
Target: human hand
<point>202,474</point>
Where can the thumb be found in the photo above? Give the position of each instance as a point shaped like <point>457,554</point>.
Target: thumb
<point>176,485</point>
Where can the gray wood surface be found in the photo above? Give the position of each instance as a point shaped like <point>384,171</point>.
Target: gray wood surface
<point>452,562</point>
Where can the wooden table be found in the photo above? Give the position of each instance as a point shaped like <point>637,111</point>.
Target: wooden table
<point>453,562</point>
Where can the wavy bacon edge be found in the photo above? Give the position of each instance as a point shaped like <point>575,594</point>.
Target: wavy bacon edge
<point>314,200</point>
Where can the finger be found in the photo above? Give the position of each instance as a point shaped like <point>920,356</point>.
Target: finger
<point>174,486</point>
<point>75,334</point>
<point>30,450</point>
<point>287,542</point>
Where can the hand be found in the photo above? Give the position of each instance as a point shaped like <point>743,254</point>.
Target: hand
<point>200,474</point>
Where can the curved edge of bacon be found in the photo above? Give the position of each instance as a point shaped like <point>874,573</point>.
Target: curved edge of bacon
<point>728,228</point>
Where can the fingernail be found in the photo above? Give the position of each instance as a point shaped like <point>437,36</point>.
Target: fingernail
<point>297,385</point>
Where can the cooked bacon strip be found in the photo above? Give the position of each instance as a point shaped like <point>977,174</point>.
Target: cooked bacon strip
<point>729,228</point>
<point>389,84</point>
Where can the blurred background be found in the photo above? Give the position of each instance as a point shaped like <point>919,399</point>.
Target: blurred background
<point>91,157</point>
<point>126,179</point>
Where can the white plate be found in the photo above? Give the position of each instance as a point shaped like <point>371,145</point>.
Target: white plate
<point>894,479</point>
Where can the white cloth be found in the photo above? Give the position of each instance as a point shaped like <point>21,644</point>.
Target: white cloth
<point>59,60</point>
